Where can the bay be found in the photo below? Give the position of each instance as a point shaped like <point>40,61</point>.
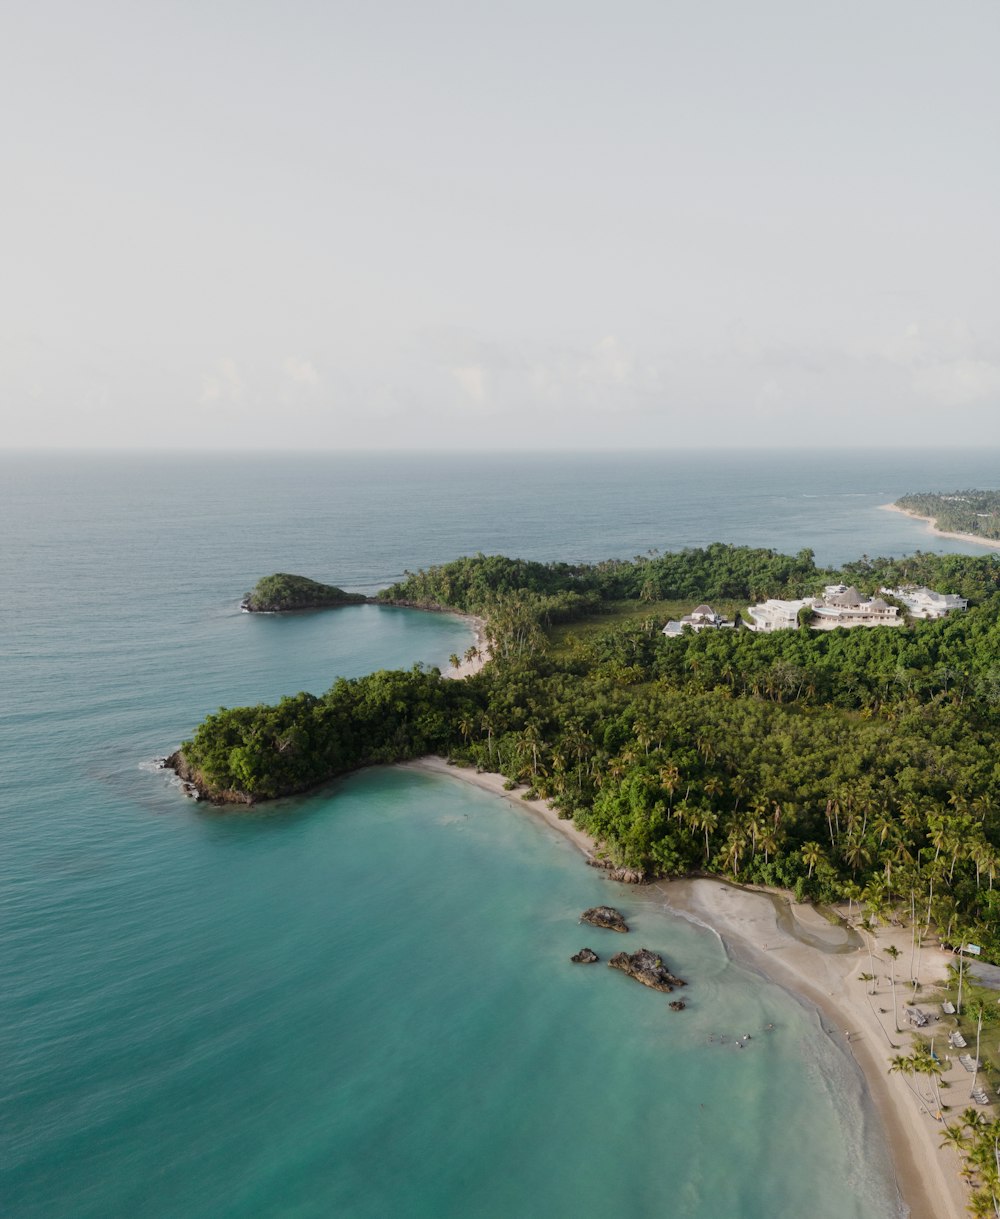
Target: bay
<point>359,1003</point>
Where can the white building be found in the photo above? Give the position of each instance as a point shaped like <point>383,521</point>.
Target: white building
<point>840,605</point>
<point>776,615</point>
<point>925,603</point>
<point>843,605</point>
<point>701,618</point>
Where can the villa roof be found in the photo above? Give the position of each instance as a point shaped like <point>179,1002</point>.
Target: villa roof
<point>703,609</point>
<point>849,596</point>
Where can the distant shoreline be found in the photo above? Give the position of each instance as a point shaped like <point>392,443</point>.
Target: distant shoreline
<point>747,921</point>
<point>989,543</point>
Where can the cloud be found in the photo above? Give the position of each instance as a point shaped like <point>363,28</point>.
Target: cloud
<point>958,382</point>
<point>947,363</point>
<point>300,371</point>
<point>608,361</point>
<point>223,384</point>
<point>471,379</point>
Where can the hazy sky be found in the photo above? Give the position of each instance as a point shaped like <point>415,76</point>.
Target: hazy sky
<point>361,224</point>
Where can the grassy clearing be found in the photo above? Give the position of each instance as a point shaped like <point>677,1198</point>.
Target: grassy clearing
<point>616,614</point>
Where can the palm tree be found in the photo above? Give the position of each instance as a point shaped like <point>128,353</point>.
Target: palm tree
<point>812,854</point>
<point>956,1137</point>
<point>978,1008</point>
<point>925,1062</point>
<point>708,820</point>
<point>892,952</point>
<point>904,1065</point>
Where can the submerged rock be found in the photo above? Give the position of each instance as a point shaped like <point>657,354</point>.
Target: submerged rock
<point>678,1005</point>
<point>605,916</point>
<point>646,967</point>
<point>586,956</point>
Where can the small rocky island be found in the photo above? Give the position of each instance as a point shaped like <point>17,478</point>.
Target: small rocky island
<point>646,967</point>
<point>282,592</point>
<point>606,917</point>
<point>586,956</point>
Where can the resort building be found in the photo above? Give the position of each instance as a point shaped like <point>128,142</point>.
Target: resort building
<point>703,617</point>
<point>925,603</point>
<point>840,605</point>
<point>843,605</point>
<point>775,615</point>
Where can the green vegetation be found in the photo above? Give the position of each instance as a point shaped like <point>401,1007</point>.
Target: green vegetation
<point>268,751</point>
<point>280,592</point>
<point>858,764</point>
<point>973,512</point>
<point>971,1132</point>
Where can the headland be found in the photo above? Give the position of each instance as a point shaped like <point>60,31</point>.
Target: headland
<point>990,543</point>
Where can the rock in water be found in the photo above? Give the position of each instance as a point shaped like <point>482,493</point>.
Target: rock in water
<point>605,916</point>
<point>586,956</point>
<point>678,1005</point>
<point>646,967</point>
<point>627,876</point>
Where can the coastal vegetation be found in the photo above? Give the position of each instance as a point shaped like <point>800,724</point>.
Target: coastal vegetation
<point>280,592</point>
<point>859,765</point>
<point>972,512</point>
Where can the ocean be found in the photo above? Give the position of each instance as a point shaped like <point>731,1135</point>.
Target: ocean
<point>359,1003</point>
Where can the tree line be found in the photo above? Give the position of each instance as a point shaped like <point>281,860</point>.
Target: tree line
<point>846,764</point>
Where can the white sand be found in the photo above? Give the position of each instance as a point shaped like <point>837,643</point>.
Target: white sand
<point>466,668</point>
<point>927,1174</point>
<point>991,543</point>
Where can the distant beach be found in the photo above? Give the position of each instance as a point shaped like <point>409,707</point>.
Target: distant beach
<point>990,543</point>
<point>804,953</point>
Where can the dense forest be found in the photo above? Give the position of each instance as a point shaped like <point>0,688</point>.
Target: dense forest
<point>975,512</point>
<point>280,592</point>
<point>859,764</point>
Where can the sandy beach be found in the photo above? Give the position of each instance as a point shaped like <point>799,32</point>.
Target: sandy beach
<point>466,668</point>
<point>796,947</point>
<point>990,543</point>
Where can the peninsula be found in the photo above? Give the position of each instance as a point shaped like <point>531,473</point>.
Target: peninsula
<point>847,767</point>
<point>972,516</point>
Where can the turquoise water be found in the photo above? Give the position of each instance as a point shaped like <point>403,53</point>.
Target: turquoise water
<point>360,1003</point>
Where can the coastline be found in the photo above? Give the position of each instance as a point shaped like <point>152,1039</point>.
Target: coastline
<point>466,668</point>
<point>804,954</point>
<point>989,543</point>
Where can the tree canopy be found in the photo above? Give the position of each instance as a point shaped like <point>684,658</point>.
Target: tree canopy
<point>835,763</point>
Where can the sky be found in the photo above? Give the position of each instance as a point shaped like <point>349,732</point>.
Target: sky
<point>455,225</point>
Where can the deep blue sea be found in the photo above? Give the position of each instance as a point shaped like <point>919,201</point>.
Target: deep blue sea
<point>359,1003</point>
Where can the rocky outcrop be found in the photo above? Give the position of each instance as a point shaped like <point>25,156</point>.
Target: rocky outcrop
<point>195,786</point>
<point>678,1005</point>
<point>586,956</point>
<point>627,876</point>
<point>646,967</point>
<point>606,917</point>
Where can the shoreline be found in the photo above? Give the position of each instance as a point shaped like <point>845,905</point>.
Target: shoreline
<point>989,543</point>
<point>466,668</point>
<point>786,952</point>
